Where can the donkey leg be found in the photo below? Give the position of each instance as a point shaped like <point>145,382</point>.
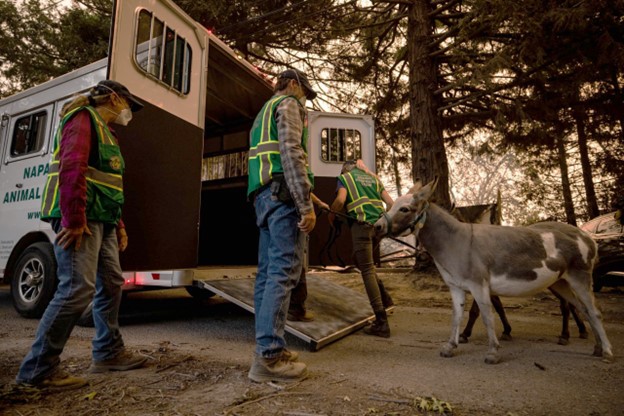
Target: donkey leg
<point>472,318</point>
<point>484,301</point>
<point>564,306</point>
<point>584,303</point>
<point>579,322</point>
<point>498,306</point>
<point>459,297</point>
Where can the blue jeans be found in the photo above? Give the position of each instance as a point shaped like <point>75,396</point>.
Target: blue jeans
<point>93,269</point>
<point>280,259</point>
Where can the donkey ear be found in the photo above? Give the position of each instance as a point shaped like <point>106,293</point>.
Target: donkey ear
<point>425,192</point>
<point>416,187</point>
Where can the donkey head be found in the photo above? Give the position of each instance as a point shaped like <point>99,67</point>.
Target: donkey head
<point>408,212</point>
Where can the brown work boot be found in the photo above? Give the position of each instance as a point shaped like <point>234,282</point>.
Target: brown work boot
<point>61,380</point>
<point>124,361</point>
<point>57,380</point>
<point>380,326</point>
<point>276,369</point>
<point>290,355</point>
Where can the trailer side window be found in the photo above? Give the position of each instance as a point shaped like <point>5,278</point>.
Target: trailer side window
<point>28,134</point>
<point>162,53</point>
<point>340,145</point>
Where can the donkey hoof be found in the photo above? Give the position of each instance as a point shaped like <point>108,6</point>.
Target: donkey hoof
<point>492,359</point>
<point>506,337</point>
<point>583,335</point>
<point>597,351</point>
<point>446,351</point>
<point>563,341</point>
<point>463,339</point>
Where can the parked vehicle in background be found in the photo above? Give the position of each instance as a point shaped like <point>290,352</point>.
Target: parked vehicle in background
<point>608,233</point>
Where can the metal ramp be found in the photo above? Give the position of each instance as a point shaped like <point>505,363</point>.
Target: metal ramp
<point>338,310</point>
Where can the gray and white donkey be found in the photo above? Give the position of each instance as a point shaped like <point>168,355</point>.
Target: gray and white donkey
<point>498,260</point>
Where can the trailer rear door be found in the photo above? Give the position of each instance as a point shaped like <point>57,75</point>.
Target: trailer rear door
<point>160,54</point>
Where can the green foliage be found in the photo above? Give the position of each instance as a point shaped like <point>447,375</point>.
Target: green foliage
<point>40,40</point>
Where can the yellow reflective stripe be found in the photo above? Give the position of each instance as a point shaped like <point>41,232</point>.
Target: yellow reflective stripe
<point>363,201</point>
<point>111,180</point>
<point>106,179</point>
<point>267,116</point>
<point>103,131</point>
<point>266,166</point>
<point>50,197</point>
<point>262,148</point>
<point>351,187</point>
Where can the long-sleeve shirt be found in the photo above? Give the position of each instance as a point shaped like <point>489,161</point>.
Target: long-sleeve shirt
<point>290,116</point>
<point>75,151</point>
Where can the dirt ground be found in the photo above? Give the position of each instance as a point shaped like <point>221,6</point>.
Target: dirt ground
<point>199,354</point>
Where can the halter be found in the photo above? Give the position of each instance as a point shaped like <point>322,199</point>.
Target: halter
<point>416,224</point>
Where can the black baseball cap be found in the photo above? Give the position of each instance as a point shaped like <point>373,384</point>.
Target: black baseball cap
<point>302,79</point>
<point>107,86</point>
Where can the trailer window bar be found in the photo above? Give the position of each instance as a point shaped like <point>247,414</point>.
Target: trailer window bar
<point>162,53</point>
<point>339,145</point>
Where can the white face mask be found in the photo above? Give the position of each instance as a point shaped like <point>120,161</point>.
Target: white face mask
<point>124,117</point>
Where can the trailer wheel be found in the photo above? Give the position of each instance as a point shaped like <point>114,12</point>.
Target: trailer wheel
<point>199,293</point>
<point>34,280</point>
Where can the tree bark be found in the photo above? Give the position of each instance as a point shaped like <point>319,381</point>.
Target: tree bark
<point>397,174</point>
<point>428,151</point>
<point>568,204</point>
<point>590,192</point>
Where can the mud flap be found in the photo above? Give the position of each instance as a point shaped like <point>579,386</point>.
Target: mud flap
<point>338,310</point>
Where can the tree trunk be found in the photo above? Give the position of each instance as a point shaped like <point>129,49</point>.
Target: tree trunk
<point>428,152</point>
<point>397,174</point>
<point>590,192</point>
<point>565,182</point>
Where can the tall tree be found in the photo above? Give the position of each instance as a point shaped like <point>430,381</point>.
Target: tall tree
<point>41,39</point>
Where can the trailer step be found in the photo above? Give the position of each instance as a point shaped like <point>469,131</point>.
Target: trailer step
<point>338,311</point>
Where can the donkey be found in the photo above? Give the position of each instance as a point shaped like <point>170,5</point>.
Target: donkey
<point>490,214</point>
<point>496,260</point>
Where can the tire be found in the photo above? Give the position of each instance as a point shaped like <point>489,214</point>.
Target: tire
<point>34,280</point>
<point>199,293</point>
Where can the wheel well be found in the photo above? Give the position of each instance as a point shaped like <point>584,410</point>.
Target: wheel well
<point>23,244</point>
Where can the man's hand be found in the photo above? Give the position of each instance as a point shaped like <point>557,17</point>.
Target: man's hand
<point>122,239</point>
<point>68,236</point>
<point>308,221</point>
<point>323,205</point>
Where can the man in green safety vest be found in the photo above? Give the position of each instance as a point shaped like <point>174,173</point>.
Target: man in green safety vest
<point>82,200</point>
<point>364,194</point>
<point>280,184</point>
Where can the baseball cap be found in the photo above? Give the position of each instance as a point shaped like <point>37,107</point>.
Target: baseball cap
<point>108,86</point>
<point>302,79</point>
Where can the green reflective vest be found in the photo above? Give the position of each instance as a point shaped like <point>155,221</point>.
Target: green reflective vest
<point>363,195</point>
<point>264,154</point>
<point>104,180</point>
